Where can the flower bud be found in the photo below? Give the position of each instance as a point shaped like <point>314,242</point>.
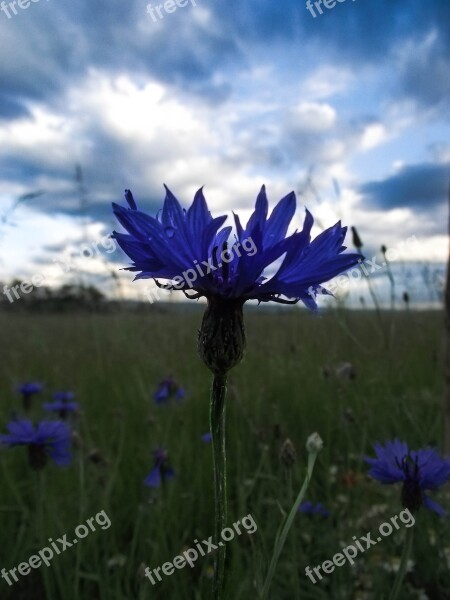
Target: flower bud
<point>356,239</point>
<point>314,443</point>
<point>288,454</point>
<point>221,339</point>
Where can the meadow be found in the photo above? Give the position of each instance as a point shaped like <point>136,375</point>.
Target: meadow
<point>114,362</point>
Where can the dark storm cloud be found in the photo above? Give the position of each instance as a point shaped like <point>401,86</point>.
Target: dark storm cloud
<point>55,45</point>
<point>60,41</point>
<point>425,76</point>
<point>420,187</point>
<point>11,108</point>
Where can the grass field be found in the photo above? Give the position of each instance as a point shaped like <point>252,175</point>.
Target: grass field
<point>114,362</point>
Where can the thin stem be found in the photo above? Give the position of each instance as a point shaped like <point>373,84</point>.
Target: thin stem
<point>40,505</point>
<point>403,564</point>
<point>295,577</point>
<point>375,301</point>
<point>217,423</point>
<point>279,542</point>
<point>80,520</point>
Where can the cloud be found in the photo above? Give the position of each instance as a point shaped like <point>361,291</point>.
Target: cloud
<point>11,108</point>
<point>423,67</point>
<point>420,187</point>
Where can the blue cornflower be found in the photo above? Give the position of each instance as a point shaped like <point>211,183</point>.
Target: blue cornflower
<point>187,248</point>
<point>161,471</point>
<point>191,251</point>
<point>308,508</point>
<point>63,404</point>
<point>63,396</point>
<point>206,437</point>
<point>48,439</point>
<point>28,390</point>
<point>419,471</point>
<point>168,389</point>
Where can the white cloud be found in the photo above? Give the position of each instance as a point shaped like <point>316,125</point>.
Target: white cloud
<point>313,117</point>
<point>326,81</point>
<point>374,135</point>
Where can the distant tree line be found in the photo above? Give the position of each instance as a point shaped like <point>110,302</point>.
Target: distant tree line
<point>21,296</point>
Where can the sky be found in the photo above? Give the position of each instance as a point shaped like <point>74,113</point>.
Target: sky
<point>348,108</point>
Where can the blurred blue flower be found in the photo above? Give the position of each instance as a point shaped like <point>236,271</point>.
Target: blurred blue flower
<point>207,437</point>
<point>308,508</point>
<point>190,249</point>
<point>63,396</point>
<point>161,471</point>
<point>168,389</point>
<point>48,438</point>
<point>62,404</point>
<point>419,471</point>
<point>28,390</point>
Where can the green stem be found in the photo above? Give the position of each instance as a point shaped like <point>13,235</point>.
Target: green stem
<point>279,542</point>
<point>80,520</point>
<point>403,564</point>
<point>217,422</point>
<point>40,505</point>
<point>295,577</point>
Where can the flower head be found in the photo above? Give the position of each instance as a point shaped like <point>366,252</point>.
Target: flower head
<point>161,471</point>
<point>314,443</point>
<point>288,454</point>
<point>189,249</point>
<point>168,389</point>
<point>28,390</point>
<point>193,252</point>
<point>308,508</point>
<point>418,471</point>
<point>63,404</point>
<point>48,439</point>
<point>63,396</point>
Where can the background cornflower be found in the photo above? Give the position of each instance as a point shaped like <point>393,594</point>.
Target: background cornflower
<point>63,404</point>
<point>418,471</point>
<point>48,439</point>
<point>168,389</point>
<point>28,390</point>
<point>161,471</point>
<point>308,508</point>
